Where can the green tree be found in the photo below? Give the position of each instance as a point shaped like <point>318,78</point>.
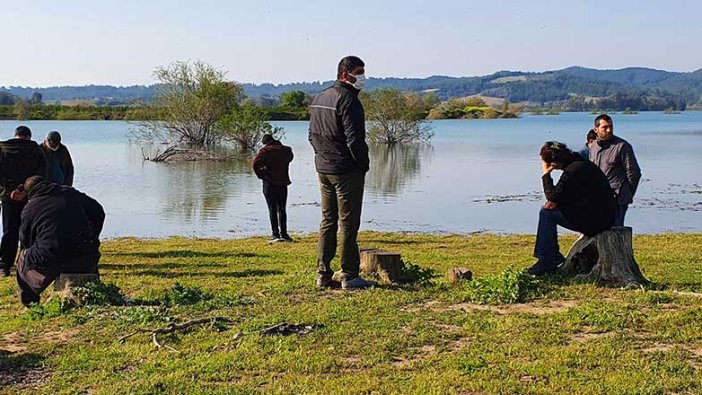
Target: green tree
<point>292,99</point>
<point>245,125</point>
<point>22,109</point>
<point>395,117</point>
<point>194,98</point>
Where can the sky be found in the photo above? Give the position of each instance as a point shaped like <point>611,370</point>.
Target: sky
<point>51,43</point>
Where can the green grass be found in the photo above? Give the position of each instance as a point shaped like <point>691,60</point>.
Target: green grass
<point>425,338</point>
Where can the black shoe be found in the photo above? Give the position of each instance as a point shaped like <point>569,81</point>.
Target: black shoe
<point>286,237</point>
<point>328,283</point>
<point>540,269</point>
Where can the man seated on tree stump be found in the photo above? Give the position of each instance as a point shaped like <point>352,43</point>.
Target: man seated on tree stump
<point>59,233</point>
<point>581,201</point>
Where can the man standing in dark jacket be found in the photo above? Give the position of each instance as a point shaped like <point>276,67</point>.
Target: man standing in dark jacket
<point>338,136</point>
<point>20,158</point>
<point>581,201</point>
<point>615,157</point>
<point>271,165</point>
<point>59,164</point>
<point>59,234</point>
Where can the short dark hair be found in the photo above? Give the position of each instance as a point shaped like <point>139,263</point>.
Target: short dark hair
<point>555,152</point>
<point>591,135</point>
<point>31,182</point>
<point>601,117</point>
<point>23,131</point>
<point>349,64</point>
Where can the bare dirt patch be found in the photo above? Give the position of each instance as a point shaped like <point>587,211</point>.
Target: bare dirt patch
<point>585,337</point>
<point>536,308</point>
<point>12,343</point>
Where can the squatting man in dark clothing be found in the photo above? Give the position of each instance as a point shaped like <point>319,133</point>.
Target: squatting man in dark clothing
<point>581,201</point>
<point>338,136</point>
<point>59,165</point>
<point>615,157</point>
<point>59,234</point>
<point>271,165</point>
<point>20,158</point>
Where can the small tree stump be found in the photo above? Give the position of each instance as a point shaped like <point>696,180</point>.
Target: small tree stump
<point>457,274</point>
<point>70,280</point>
<point>386,266</point>
<point>607,258</point>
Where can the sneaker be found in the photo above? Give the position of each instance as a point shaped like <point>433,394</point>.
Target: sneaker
<point>6,271</point>
<point>328,283</point>
<point>286,237</point>
<point>274,239</point>
<point>357,283</point>
<point>540,269</point>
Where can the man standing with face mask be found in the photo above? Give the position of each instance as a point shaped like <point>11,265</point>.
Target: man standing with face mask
<point>58,159</point>
<point>338,135</point>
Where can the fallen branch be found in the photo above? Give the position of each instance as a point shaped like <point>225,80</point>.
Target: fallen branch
<point>173,328</point>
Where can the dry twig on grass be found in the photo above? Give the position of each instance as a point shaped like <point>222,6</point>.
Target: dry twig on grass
<point>173,328</point>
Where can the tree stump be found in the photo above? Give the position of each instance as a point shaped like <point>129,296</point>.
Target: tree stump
<point>70,280</point>
<point>457,274</point>
<point>386,266</point>
<point>606,258</point>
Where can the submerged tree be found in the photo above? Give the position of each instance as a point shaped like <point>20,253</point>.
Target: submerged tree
<point>245,125</point>
<point>396,117</point>
<point>199,107</point>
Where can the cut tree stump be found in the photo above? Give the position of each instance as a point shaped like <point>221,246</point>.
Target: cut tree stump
<point>386,266</point>
<point>606,258</point>
<point>70,280</point>
<point>457,274</point>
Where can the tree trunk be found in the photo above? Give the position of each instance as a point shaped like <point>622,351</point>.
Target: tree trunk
<point>386,266</point>
<point>606,258</point>
<point>70,280</point>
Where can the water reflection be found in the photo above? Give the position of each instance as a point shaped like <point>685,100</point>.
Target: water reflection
<point>200,190</point>
<point>395,166</point>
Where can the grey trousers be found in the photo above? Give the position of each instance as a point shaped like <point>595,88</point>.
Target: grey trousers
<point>342,198</point>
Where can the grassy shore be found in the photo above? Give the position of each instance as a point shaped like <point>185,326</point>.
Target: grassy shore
<point>422,338</point>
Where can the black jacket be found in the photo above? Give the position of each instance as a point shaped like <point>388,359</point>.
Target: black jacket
<point>583,195</point>
<point>65,164</point>
<point>19,160</point>
<point>338,131</point>
<point>59,224</point>
<point>271,163</point>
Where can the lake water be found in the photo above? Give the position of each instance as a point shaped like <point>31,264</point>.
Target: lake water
<point>476,175</point>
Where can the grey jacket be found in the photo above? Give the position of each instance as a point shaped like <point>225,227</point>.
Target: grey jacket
<point>615,157</point>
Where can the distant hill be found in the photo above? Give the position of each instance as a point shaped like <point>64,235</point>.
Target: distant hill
<point>545,88</point>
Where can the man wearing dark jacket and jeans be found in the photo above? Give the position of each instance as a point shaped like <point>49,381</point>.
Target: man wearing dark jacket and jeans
<point>271,165</point>
<point>615,157</point>
<point>581,201</point>
<point>59,165</point>
<point>59,234</point>
<point>338,135</point>
<point>20,158</point>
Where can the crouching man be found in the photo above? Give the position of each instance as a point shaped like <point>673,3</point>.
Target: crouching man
<point>59,233</point>
<point>581,201</point>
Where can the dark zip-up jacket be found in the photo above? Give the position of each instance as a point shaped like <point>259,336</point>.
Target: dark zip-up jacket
<point>62,158</point>
<point>272,162</point>
<point>19,160</point>
<point>583,195</point>
<point>338,131</point>
<point>615,157</point>
<point>59,226</point>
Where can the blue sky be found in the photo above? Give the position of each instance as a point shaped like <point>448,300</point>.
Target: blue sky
<point>49,43</point>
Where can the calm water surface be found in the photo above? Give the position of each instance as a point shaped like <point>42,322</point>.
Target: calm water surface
<point>476,175</point>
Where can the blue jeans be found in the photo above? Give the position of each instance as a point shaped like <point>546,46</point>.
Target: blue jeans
<point>546,247</point>
<point>619,219</point>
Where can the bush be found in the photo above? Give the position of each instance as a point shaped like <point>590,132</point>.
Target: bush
<point>395,117</point>
<point>510,286</point>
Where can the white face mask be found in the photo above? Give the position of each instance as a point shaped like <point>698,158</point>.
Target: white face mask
<point>360,81</point>
<point>54,149</point>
